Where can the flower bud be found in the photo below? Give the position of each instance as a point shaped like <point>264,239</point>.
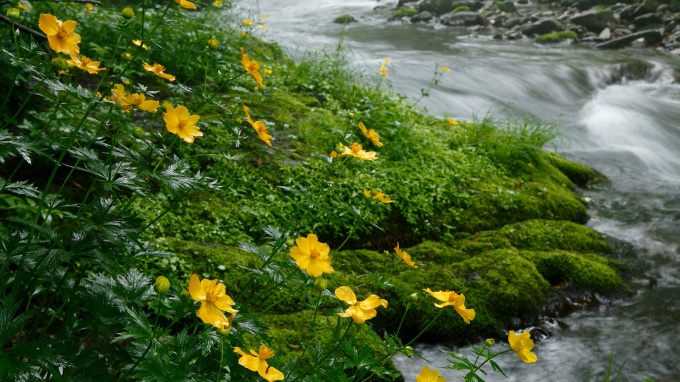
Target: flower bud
<point>413,296</point>
<point>408,351</point>
<point>127,56</point>
<point>490,341</point>
<point>185,293</point>
<point>321,284</point>
<point>13,13</point>
<point>290,242</point>
<point>162,285</point>
<point>224,331</point>
<point>213,43</point>
<point>59,63</point>
<point>128,13</point>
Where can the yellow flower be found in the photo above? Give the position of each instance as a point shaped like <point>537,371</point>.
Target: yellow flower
<point>247,22</point>
<point>387,60</point>
<point>378,195</point>
<point>60,35</point>
<point>139,44</point>
<point>128,101</point>
<point>267,71</point>
<point>256,361</point>
<point>186,4</point>
<point>89,6</point>
<point>429,376</point>
<point>458,302</point>
<point>218,3</point>
<point>263,16</point>
<point>214,300</point>
<point>522,346</point>
<point>405,256</point>
<point>251,67</point>
<point>452,121</point>
<point>444,68</point>
<point>244,34</point>
<point>260,128</point>
<point>261,26</point>
<point>23,6</point>
<point>355,150</point>
<point>360,311</point>
<point>383,70</point>
<point>158,70</point>
<point>312,256</point>
<point>178,121</point>
<point>85,63</point>
<point>213,43</point>
<point>370,134</point>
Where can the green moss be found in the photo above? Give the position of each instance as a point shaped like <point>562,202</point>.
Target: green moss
<point>557,37</point>
<point>405,12</point>
<point>344,19</point>
<point>580,174</point>
<point>461,8</point>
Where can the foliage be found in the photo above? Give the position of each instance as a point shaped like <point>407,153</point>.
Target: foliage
<point>461,8</point>
<point>405,12</point>
<point>99,194</point>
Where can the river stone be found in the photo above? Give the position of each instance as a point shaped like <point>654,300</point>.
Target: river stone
<point>472,5</point>
<point>507,6</point>
<point>463,19</point>
<point>436,7</point>
<point>606,34</point>
<point>651,36</point>
<point>647,20</point>
<point>514,21</point>
<point>424,17</point>
<point>344,19</point>
<point>595,19</point>
<point>542,27</point>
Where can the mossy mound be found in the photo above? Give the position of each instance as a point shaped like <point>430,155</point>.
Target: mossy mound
<point>557,37</point>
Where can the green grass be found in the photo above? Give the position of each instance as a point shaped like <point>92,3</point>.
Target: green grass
<point>554,37</point>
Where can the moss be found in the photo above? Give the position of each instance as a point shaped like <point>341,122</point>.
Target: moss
<point>584,271</point>
<point>461,8</point>
<point>557,37</point>
<point>580,174</point>
<point>344,19</point>
<point>405,12</point>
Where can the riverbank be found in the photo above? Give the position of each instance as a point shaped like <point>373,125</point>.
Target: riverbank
<point>606,25</point>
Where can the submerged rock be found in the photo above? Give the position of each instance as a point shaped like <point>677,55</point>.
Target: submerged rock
<point>651,37</point>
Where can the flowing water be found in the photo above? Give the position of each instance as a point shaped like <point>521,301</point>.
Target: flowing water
<point>620,111</point>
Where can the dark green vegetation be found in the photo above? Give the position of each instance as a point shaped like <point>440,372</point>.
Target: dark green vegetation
<point>557,37</point>
<point>480,206</point>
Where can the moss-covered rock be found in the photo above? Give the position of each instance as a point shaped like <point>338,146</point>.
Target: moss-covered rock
<point>579,173</point>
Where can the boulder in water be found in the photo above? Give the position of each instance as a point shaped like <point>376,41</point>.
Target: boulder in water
<point>344,19</point>
<point>651,37</point>
<point>596,20</point>
<point>460,19</point>
<point>542,27</point>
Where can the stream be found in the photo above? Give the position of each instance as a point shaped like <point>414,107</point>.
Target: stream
<point>619,112</point>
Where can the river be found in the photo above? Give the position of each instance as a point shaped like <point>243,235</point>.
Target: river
<point>620,120</point>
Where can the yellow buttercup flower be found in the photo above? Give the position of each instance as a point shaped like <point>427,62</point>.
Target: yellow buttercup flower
<point>213,43</point>
<point>251,67</point>
<point>267,71</point>
<point>60,35</point>
<point>158,70</point>
<point>360,311</point>
<point>141,45</point>
<point>214,300</point>
<point>248,22</point>
<point>261,26</point>
<point>85,64</point>
<point>447,70</point>
<point>429,376</point>
<point>370,134</point>
<point>218,3</point>
<point>89,7</point>
<point>522,345</point>
<point>355,150</point>
<point>178,121</point>
<point>383,70</point>
<point>378,195</point>
<point>312,256</point>
<point>452,122</point>
<point>257,361</point>
<point>260,128</point>
<point>405,256</point>
<point>23,6</point>
<point>186,4</point>
<point>128,101</point>
<point>387,60</point>
<point>453,298</point>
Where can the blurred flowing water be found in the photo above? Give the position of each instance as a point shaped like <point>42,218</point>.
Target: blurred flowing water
<point>620,112</point>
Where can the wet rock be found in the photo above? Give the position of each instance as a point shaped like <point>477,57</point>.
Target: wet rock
<point>436,7</point>
<point>595,20</point>
<point>648,20</point>
<point>514,21</point>
<point>651,37</point>
<point>423,17</point>
<point>542,27</point>
<point>507,6</point>
<point>606,34</point>
<point>344,19</point>
<point>472,5</point>
<point>463,19</point>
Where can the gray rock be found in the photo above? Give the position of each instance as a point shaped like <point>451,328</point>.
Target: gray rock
<point>435,7</point>
<point>647,20</point>
<point>606,34</point>
<point>542,27</point>
<point>514,21</point>
<point>424,17</point>
<point>651,37</point>
<point>463,19</point>
<point>507,6</point>
<point>595,20</point>
<point>472,5</point>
